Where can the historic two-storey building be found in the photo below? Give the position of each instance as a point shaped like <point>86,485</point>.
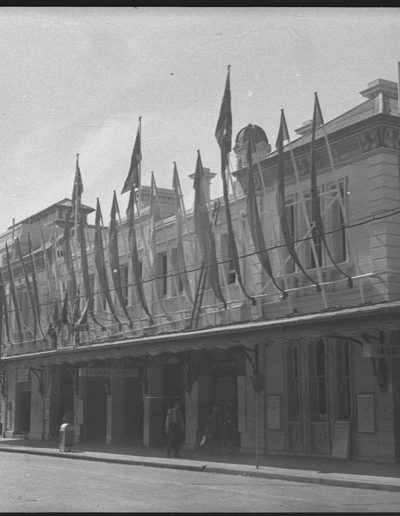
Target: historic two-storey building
<point>316,372</point>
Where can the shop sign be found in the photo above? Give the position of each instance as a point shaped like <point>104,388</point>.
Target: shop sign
<point>107,372</point>
<point>379,350</point>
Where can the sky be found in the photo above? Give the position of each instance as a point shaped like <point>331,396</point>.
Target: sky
<point>76,79</point>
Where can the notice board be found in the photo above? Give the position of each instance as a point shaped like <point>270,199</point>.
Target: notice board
<point>341,439</point>
<point>366,413</point>
<point>273,412</point>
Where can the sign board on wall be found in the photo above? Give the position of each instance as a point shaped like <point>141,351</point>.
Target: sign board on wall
<point>379,350</point>
<point>366,413</point>
<point>274,412</point>
<point>341,439</point>
<point>106,371</point>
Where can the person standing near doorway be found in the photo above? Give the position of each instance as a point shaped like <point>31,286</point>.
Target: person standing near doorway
<point>174,428</point>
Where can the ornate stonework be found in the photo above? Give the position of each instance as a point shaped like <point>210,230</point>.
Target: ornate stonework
<point>342,151</point>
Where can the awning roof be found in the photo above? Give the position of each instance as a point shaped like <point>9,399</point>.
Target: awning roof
<point>346,322</point>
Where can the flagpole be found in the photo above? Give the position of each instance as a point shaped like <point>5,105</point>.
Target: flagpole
<point>139,203</point>
<point>153,250</point>
<point>28,289</point>
<point>241,218</point>
<point>76,201</point>
<point>185,221</point>
<point>270,217</point>
<point>343,208</point>
<point>130,270</point>
<point>307,220</point>
<point>11,274</point>
<point>398,88</point>
<point>149,268</point>
<point>35,285</point>
<point>169,251</point>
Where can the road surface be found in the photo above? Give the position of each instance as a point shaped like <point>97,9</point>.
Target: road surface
<point>33,483</point>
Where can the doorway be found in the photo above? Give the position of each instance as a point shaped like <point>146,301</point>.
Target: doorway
<point>318,392</point>
<point>95,409</point>
<point>25,411</point>
<point>133,411</point>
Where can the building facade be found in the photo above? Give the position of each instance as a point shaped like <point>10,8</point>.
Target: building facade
<point>316,372</point>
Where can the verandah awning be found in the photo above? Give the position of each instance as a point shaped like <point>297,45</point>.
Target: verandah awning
<point>346,322</point>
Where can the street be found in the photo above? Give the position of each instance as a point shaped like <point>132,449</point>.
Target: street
<point>32,483</point>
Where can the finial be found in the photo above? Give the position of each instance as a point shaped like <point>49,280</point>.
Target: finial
<point>282,110</point>
<point>229,68</point>
<point>140,118</point>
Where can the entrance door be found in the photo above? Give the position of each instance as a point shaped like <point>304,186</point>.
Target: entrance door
<point>95,409</point>
<point>133,411</point>
<point>25,414</point>
<point>318,392</point>
<point>173,388</point>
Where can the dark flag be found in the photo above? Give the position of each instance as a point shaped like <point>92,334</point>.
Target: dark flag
<point>113,256</point>
<point>180,265</point>
<point>281,201</point>
<point>82,323</point>
<point>55,317</point>
<point>318,233</point>
<point>204,232</point>
<point>34,282</point>
<point>137,276</point>
<point>85,270</point>
<point>28,286</point>
<point>133,178</point>
<point>14,295</point>
<point>71,284</point>
<point>253,216</point>
<point>3,301</point>
<point>100,263</point>
<point>223,131</point>
<point>2,310</point>
<point>154,215</point>
<point>223,134</point>
<point>77,192</point>
<point>64,309</point>
<point>76,317</point>
<point>50,280</point>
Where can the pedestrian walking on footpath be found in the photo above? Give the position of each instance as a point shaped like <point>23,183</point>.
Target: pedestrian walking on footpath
<point>174,427</point>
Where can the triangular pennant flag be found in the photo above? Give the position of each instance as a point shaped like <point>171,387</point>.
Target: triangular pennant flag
<point>133,177</point>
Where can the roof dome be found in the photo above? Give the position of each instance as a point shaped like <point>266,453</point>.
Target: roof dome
<point>259,135</point>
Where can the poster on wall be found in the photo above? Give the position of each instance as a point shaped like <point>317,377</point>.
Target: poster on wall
<point>366,413</point>
<point>274,412</point>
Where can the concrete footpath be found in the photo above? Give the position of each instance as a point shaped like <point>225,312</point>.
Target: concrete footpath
<point>327,471</point>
